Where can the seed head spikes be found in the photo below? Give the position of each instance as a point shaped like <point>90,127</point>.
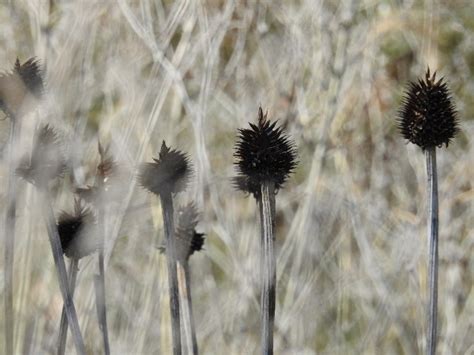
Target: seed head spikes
<point>25,79</point>
<point>77,233</point>
<point>169,173</point>
<point>428,117</point>
<point>263,153</point>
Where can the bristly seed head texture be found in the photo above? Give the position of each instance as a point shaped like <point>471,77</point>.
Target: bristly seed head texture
<point>169,173</point>
<point>263,153</point>
<point>77,233</point>
<point>25,79</point>
<point>47,161</point>
<point>428,116</point>
<point>188,240</point>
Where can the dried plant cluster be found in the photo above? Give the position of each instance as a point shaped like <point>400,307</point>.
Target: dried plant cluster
<point>151,206</point>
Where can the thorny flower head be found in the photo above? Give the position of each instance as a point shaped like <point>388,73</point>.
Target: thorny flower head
<point>25,80</point>
<point>46,162</point>
<point>428,116</point>
<point>263,153</point>
<point>77,232</point>
<point>169,173</point>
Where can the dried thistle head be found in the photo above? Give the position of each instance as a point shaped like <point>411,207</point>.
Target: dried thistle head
<point>46,162</point>
<point>187,240</point>
<point>77,232</point>
<point>169,173</point>
<point>428,116</point>
<point>263,153</point>
<point>25,80</point>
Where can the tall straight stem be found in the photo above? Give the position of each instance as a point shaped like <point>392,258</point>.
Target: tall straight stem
<point>433,249</point>
<point>99,281</point>
<point>167,208</point>
<point>9,235</point>
<point>266,204</point>
<point>72,277</point>
<point>62,275</point>
<point>186,307</point>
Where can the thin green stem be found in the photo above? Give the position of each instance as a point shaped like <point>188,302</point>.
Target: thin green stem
<point>167,208</point>
<point>72,277</point>
<point>62,274</point>
<point>266,204</point>
<point>433,249</point>
<point>10,219</point>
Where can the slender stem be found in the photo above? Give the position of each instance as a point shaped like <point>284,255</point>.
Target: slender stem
<point>62,275</point>
<point>167,208</point>
<point>72,277</point>
<point>10,236</point>
<point>433,249</point>
<point>266,204</point>
<point>186,307</point>
<point>100,282</point>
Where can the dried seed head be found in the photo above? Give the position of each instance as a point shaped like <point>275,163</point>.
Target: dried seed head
<point>428,116</point>
<point>26,80</point>
<point>47,161</point>
<point>187,240</point>
<point>263,153</point>
<point>168,174</point>
<point>77,232</point>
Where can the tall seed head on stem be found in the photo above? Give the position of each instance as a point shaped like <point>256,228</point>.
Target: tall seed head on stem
<point>428,117</point>
<point>263,153</point>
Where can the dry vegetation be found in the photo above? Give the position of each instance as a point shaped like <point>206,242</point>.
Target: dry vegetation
<point>351,230</point>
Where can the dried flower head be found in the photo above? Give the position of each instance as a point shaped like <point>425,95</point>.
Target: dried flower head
<point>263,154</point>
<point>187,239</point>
<point>428,117</point>
<point>47,161</point>
<point>77,232</point>
<point>25,80</point>
<point>168,174</point>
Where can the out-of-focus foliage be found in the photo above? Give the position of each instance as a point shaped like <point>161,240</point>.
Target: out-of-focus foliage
<point>351,235</point>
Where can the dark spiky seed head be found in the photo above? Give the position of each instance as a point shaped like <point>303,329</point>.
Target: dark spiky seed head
<point>428,116</point>
<point>77,232</point>
<point>263,153</point>
<point>47,161</point>
<point>187,239</point>
<point>169,173</point>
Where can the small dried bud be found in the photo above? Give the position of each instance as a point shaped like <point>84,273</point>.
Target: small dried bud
<point>428,117</point>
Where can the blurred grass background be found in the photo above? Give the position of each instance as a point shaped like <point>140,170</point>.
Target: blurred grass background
<point>351,230</point>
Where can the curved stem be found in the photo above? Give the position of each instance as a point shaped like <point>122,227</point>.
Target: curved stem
<point>72,277</point>
<point>167,208</point>
<point>266,204</point>
<point>433,249</point>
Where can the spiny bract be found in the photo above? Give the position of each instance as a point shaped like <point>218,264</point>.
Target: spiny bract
<point>428,117</point>
<point>263,153</point>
